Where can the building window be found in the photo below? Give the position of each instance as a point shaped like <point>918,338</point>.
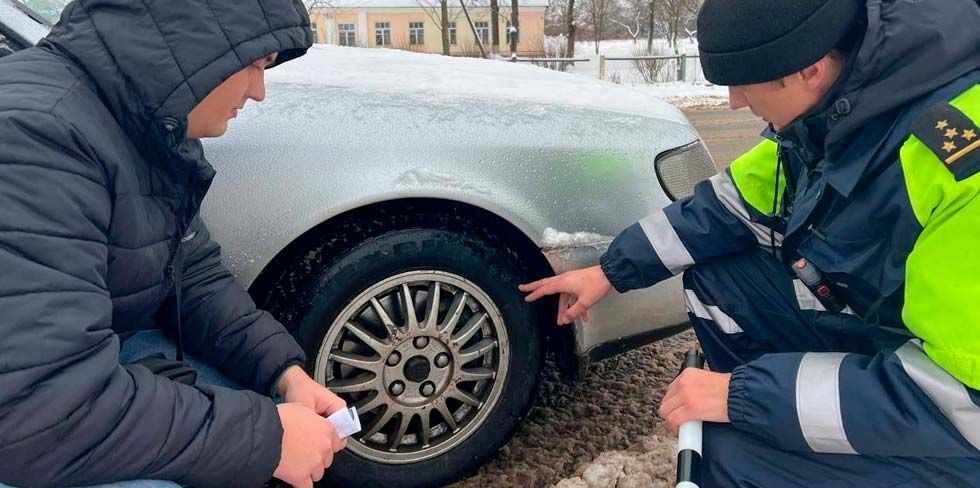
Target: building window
<point>452,33</point>
<point>382,33</point>
<point>513,32</point>
<point>416,33</point>
<point>316,35</point>
<point>346,33</point>
<point>482,31</point>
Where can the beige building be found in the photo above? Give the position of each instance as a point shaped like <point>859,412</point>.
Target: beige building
<point>415,25</point>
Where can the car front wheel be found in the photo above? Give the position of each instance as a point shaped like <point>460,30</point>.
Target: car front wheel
<point>425,332</point>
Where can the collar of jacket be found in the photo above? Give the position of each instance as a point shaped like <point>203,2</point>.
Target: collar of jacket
<point>900,61</point>
<point>875,143</point>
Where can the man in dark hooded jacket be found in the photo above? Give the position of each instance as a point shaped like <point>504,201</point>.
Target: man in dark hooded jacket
<point>831,271</point>
<point>102,178</point>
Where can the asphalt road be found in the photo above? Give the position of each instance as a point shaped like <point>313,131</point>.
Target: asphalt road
<point>611,410</point>
<point>728,133</point>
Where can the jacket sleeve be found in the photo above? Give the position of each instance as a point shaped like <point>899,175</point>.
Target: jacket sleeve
<point>921,399</point>
<point>70,414</point>
<point>727,213</point>
<point>896,403</point>
<point>221,323</point>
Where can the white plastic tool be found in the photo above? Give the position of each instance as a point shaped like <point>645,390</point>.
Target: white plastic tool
<point>346,422</point>
<point>689,443</point>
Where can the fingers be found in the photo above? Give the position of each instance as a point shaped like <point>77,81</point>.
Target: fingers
<point>307,483</point>
<point>549,287</point>
<point>333,404</point>
<point>574,312</point>
<point>562,306</point>
<point>531,286</point>
<point>336,443</point>
<point>669,405</point>
<point>317,474</point>
<point>676,419</point>
<point>671,399</point>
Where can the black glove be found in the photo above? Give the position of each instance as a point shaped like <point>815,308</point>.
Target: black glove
<point>159,365</point>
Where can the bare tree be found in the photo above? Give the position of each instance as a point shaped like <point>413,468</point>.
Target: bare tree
<point>444,25</point>
<point>570,28</point>
<point>651,26</point>
<point>438,12</point>
<point>598,15</point>
<point>633,30</point>
<point>494,27</point>
<point>679,14</point>
<point>317,5</point>
<point>515,27</point>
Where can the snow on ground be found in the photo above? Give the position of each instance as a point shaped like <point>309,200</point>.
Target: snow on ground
<point>693,92</point>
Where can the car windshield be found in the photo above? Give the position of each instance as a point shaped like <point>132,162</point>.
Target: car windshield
<point>48,10</point>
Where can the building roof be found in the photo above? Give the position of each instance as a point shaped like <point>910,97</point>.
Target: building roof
<point>355,4</point>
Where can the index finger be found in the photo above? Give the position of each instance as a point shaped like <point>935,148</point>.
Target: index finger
<point>549,288</point>
<point>532,286</point>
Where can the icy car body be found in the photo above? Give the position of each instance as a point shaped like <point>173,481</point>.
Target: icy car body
<point>566,160</point>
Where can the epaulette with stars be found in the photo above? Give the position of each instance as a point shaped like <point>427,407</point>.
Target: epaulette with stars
<point>953,136</point>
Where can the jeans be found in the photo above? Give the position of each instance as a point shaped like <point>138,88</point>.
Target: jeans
<point>143,344</point>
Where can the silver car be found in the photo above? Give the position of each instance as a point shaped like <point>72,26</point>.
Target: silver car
<point>385,205</point>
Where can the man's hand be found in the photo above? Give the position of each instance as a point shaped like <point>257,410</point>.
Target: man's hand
<point>587,286</point>
<point>295,386</point>
<point>696,394</point>
<point>309,442</point>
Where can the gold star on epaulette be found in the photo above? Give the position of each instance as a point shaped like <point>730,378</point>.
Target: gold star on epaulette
<point>952,136</point>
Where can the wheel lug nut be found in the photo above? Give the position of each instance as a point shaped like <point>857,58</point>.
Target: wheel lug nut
<point>442,360</point>
<point>394,359</point>
<point>421,342</point>
<point>397,388</point>
<point>428,388</point>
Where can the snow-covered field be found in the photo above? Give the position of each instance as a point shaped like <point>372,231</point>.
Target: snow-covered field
<point>692,92</point>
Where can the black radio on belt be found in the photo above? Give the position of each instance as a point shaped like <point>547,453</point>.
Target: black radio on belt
<point>815,282</point>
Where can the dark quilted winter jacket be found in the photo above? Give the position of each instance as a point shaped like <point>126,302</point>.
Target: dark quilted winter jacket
<point>98,190</point>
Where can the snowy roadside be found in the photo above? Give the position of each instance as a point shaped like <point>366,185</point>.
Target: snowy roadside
<point>695,93</point>
<point>649,464</point>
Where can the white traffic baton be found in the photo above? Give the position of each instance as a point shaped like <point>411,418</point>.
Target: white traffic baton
<point>689,440</point>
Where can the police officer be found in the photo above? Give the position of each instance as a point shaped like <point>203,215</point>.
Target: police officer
<point>831,271</point>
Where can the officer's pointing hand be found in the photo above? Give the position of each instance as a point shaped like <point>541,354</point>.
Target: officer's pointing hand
<point>586,286</point>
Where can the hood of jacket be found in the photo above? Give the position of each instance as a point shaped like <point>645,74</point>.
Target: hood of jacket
<point>153,61</point>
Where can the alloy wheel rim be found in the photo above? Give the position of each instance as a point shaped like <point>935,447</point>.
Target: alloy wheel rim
<point>424,356</point>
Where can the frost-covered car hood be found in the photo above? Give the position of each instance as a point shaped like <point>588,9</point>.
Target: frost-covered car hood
<point>393,71</point>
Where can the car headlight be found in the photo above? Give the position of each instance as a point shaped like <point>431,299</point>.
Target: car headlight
<point>681,168</point>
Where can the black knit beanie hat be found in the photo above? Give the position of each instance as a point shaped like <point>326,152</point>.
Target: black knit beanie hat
<point>753,41</point>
